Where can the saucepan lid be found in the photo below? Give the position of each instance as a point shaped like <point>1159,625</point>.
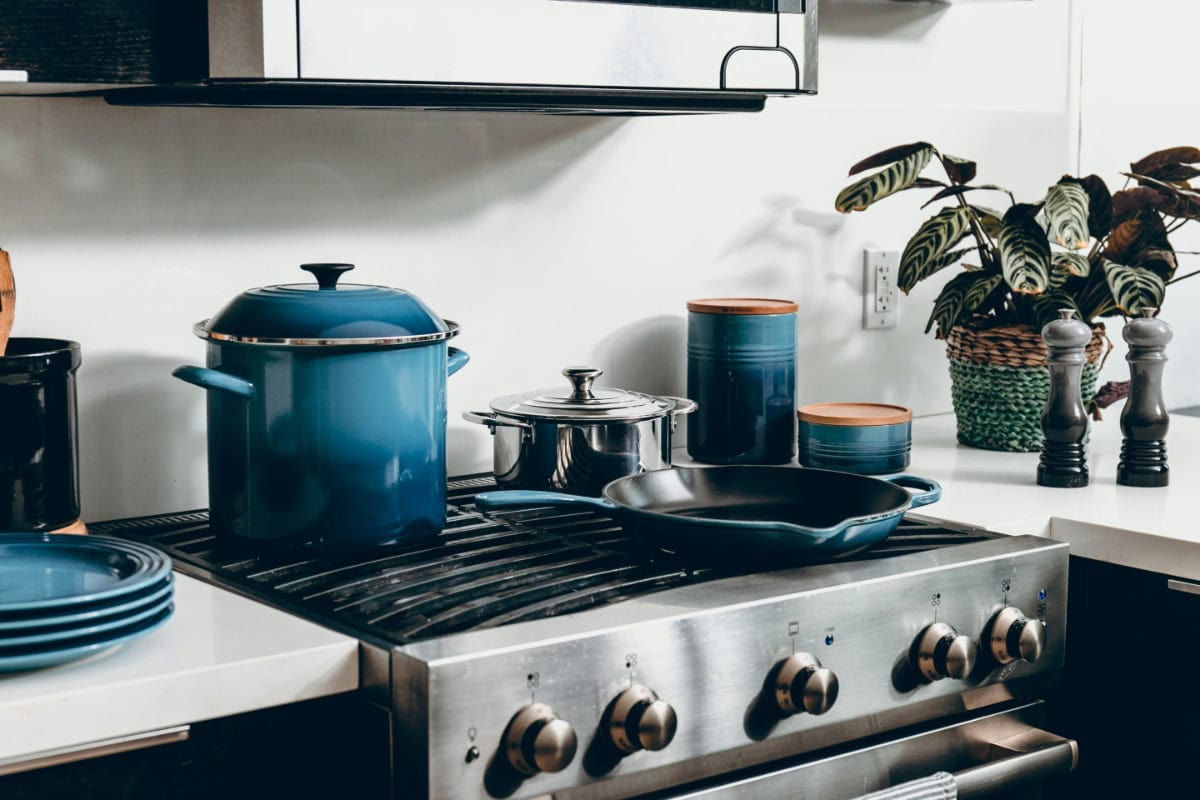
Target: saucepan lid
<point>326,313</point>
<point>580,401</point>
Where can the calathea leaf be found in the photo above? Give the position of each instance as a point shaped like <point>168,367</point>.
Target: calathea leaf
<point>960,170</point>
<point>1145,229</point>
<point>951,303</point>
<point>1175,172</point>
<point>989,219</point>
<point>889,156</point>
<point>1163,158</point>
<point>934,238</point>
<point>1058,278</point>
<point>1076,264</point>
<point>955,191</point>
<point>980,290</point>
<point>1095,300</point>
<point>1100,206</point>
<point>1066,211</point>
<point>1128,202</point>
<point>1024,251</point>
<point>1161,262</point>
<point>1046,307</point>
<point>859,195</point>
<point>1133,288</point>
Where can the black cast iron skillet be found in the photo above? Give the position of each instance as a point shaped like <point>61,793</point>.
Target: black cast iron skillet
<point>747,511</point>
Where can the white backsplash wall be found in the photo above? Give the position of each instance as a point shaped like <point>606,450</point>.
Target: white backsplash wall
<point>553,241</point>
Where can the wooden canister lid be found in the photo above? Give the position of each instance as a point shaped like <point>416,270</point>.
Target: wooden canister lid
<point>854,414</point>
<point>742,305</point>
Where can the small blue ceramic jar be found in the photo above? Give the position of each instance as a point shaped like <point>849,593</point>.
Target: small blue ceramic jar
<point>867,438</point>
<point>742,374</point>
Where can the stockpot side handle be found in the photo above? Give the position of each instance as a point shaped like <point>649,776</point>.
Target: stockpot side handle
<point>522,498</point>
<point>927,491</point>
<point>455,360</point>
<point>213,379</point>
<point>493,420</point>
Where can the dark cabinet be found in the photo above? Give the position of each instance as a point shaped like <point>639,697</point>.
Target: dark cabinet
<point>1130,694</point>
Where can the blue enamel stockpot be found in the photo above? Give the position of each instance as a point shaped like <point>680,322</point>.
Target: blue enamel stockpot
<point>327,413</point>
<point>867,438</point>
<point>742,374</point>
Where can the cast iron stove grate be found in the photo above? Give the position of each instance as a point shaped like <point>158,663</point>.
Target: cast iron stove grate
<point>481,572</point>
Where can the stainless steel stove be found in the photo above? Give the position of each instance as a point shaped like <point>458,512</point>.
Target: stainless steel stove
<point>545,652</point>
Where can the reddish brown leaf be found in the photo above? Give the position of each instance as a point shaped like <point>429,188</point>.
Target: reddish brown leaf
<point>1128,202</point>
<point>960,170</point>
<point>1160,262</point>
<point>889,156</point>
<point>1141,231</point>
<point>1174,172</point>
<point>1161,158</point>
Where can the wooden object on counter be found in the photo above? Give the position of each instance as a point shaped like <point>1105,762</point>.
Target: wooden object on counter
<point>1065,421</point>
<point>78,526</point>
<point>1144,420</point>
<point>8,301</point>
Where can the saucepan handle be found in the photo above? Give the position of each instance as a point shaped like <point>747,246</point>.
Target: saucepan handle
<point>524,498</point>
<point>493,420</point>
<point>927,491</point>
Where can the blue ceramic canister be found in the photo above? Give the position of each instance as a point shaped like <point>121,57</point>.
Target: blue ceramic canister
<point>867,438</point>
<point>327,413</point>
<point>742,374</point>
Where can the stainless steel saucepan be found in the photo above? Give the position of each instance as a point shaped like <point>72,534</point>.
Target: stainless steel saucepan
<point>578,438</point>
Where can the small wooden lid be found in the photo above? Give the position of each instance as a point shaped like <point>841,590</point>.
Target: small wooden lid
<point>742,305</point>
<point>854,414</point>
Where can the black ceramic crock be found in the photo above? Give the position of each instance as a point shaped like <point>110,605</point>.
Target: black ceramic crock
<point>39,452</point>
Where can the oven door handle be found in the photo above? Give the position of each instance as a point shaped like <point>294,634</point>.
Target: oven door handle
<point>1031,756</point>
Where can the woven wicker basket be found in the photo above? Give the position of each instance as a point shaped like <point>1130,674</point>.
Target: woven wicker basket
<point>1000,382</point>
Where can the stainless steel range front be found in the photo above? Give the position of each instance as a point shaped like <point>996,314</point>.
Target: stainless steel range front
<point>543,652</point>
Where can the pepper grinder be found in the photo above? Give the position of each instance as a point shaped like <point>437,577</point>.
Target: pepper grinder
<point>1144,420</point>
<point>1064,420</point>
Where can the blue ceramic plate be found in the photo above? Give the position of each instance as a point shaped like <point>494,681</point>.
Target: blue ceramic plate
<point>48,571</point>
<point>92,612</point>
<point>65,636</point>
<point>37,656</point>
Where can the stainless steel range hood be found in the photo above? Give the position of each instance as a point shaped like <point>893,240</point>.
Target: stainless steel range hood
<point>565,56</point>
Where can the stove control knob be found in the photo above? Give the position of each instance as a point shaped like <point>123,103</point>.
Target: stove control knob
<point>538,741</point>
<point>941,652</point>
<point>802,684</point>
<point>639,720</point>
<point>1011,636</point>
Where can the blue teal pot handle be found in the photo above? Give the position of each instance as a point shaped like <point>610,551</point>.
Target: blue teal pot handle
<point>928,491</point>
<point>523,498</point>
<point>455,360</point>
<point>212,379</point>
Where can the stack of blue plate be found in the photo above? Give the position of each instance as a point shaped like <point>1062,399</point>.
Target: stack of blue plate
<point>65,597</point>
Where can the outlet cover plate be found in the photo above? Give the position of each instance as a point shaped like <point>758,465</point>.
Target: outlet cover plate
<point>881,297</point>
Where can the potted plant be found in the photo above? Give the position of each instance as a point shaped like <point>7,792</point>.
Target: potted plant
<point>1082,247</point>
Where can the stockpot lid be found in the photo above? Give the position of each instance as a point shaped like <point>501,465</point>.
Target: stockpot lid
<point>326,313</point>
<point>580,401</point>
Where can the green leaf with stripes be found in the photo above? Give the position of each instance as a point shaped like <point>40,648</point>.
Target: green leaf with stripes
<point>1076,264</point>
<point>1046,307</point>
<point>951,303</point>
<point>933,240</point>
<point>981,290</point>
<point>861,194</point>
<point>1066,209</point>
<point>1024,253</point>
<point>1133,288</point>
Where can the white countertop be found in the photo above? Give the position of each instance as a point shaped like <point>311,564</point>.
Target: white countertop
<point>1151,529</point>
<point>219,654</point>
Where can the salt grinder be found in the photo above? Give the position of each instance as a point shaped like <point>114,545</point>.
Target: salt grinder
<point>1144,420</point>
<point>1064,420</point>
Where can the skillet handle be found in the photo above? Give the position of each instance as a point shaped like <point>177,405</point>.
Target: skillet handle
<point>930,491</point>
<point>524,498</point>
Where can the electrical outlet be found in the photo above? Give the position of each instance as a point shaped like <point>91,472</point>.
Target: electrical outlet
<point>881,298</point>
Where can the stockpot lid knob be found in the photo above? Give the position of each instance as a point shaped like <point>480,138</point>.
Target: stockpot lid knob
<point>581,379</point>
<point>327,274</point>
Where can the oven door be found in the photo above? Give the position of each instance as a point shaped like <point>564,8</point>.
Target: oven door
<point>992,754</point>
